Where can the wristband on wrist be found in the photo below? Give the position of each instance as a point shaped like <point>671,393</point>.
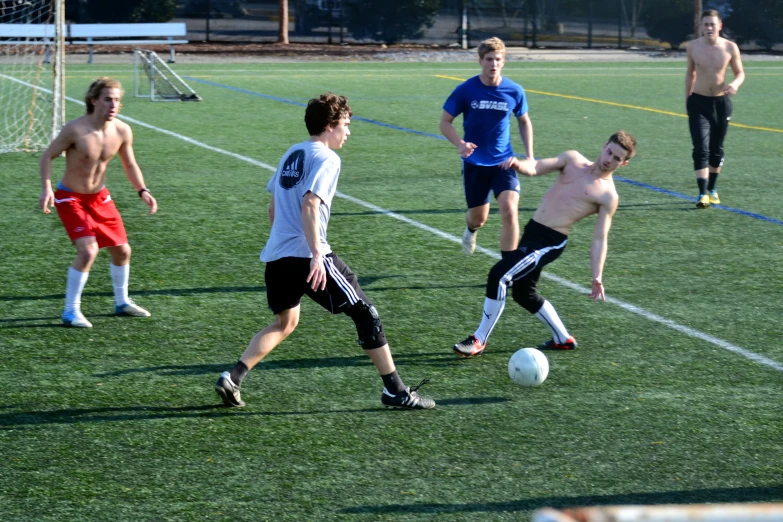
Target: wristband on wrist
<point>144,190</point>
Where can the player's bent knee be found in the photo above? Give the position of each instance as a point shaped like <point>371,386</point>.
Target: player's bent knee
<point>528,299</point>
<point>368,325</point>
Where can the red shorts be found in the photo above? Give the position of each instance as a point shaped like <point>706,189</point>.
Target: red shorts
<point>90,215</point>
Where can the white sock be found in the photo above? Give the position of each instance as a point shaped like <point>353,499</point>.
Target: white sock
<point>492,312</point>
<point>549,317</point>
<point>74,288</point>
<point>119,280</point>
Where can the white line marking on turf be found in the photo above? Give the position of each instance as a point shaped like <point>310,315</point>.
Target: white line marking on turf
<point>454,239</point>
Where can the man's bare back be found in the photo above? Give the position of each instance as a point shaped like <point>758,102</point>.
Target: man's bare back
<point>579,191</point>
<point>90,151</point>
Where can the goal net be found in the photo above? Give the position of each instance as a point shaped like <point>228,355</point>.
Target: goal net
<point>31,73</point>
<point>154,79</point>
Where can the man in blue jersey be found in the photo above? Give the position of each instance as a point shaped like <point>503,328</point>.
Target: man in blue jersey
<point>487,102</point>
<point>299,260</point>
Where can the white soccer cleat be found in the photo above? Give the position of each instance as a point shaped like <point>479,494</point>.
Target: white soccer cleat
<point>76,319</point>
<point>132,309</point>
<point>468,242</point>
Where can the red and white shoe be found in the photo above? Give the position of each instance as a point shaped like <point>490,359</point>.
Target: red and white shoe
<point>470,347</point>
<point>569,344</point>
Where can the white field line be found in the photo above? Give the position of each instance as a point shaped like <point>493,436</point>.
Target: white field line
<point>454,239</point>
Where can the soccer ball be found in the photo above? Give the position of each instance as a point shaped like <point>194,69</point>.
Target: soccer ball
<point>528,367</point>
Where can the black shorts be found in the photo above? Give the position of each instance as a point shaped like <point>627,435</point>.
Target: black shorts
<point>286,283</point>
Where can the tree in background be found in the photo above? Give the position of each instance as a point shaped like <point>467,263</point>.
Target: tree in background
<point>669,21</point>
<point>387,21</point>
<point>753,21</point>
<point>112,11</point>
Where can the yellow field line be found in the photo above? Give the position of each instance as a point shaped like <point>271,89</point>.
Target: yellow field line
<point>624,105</point>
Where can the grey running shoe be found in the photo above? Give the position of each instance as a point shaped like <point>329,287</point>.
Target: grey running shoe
<point>228,391</point>
<point>76,319</point>
<point>408,398</point>
<point>468,242</point>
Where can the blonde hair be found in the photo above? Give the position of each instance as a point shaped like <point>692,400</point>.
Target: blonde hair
<point>95,89</point>
<point>626,141</point>
<point>491,44</point>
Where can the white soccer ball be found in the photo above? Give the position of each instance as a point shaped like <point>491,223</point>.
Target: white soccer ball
<point>528,367</point>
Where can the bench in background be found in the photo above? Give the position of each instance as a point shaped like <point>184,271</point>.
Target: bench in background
<point>127,34</point>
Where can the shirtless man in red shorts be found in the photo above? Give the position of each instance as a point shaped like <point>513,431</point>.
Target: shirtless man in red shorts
<point>83,202</point>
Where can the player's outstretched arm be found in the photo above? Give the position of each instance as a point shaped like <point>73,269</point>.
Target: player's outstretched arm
<point>600,246</point>
<point>60,144</point>
<point>533,167</point>
<point>132,169</point>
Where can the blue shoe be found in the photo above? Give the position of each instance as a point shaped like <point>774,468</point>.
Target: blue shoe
<point>132,309</point>
<point>76,319</point>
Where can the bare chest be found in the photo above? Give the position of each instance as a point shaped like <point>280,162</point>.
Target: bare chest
<point>711,59</point>
<point>97,147</point>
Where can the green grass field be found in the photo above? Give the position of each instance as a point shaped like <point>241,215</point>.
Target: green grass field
<point>674,395</point>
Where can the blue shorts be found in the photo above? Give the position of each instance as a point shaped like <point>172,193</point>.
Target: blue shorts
<point>479,181</point>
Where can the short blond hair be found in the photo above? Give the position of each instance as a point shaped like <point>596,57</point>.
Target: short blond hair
<point>489,45</point>
<point>95,89</point>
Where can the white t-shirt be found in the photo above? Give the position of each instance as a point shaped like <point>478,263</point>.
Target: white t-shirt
<point>305,167</point>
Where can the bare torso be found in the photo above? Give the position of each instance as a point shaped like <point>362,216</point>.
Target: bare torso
<point>710,63</point>
<point>576,194</point>
<point>91,151</point>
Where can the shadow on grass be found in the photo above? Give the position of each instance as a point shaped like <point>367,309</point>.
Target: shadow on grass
<point>365,281</point>
<point>139,413</point>
<point>285,364</point>
<point>699,496</point>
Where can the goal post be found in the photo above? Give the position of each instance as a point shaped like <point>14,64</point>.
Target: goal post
<point>32,86</point>
<point>154,79</point>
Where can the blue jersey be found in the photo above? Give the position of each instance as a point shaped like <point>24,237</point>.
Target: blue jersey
<point>486,117</point>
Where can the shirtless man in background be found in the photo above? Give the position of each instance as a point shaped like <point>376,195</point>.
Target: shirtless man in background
<point>708,101</point>
<point>83,202</point>
<point>581,189</point>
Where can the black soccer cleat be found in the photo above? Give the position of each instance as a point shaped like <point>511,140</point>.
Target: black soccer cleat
<point>570,344</point>
<point>228,391</point>
<point>408,398</point>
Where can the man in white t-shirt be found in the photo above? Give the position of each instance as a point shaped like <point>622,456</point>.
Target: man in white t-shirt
<point>300,261</point>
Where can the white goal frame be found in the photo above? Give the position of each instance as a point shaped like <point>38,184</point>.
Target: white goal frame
<point>149,67</point>
<point>32,95</point>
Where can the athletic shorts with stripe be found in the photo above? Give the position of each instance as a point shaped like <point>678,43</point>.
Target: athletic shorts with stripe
<point>286,283</point>
<point>90,215</point>
<point>521,269</point>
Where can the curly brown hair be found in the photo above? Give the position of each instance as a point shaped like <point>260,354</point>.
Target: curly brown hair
<point>95,89</point>
<point>327,109</point>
